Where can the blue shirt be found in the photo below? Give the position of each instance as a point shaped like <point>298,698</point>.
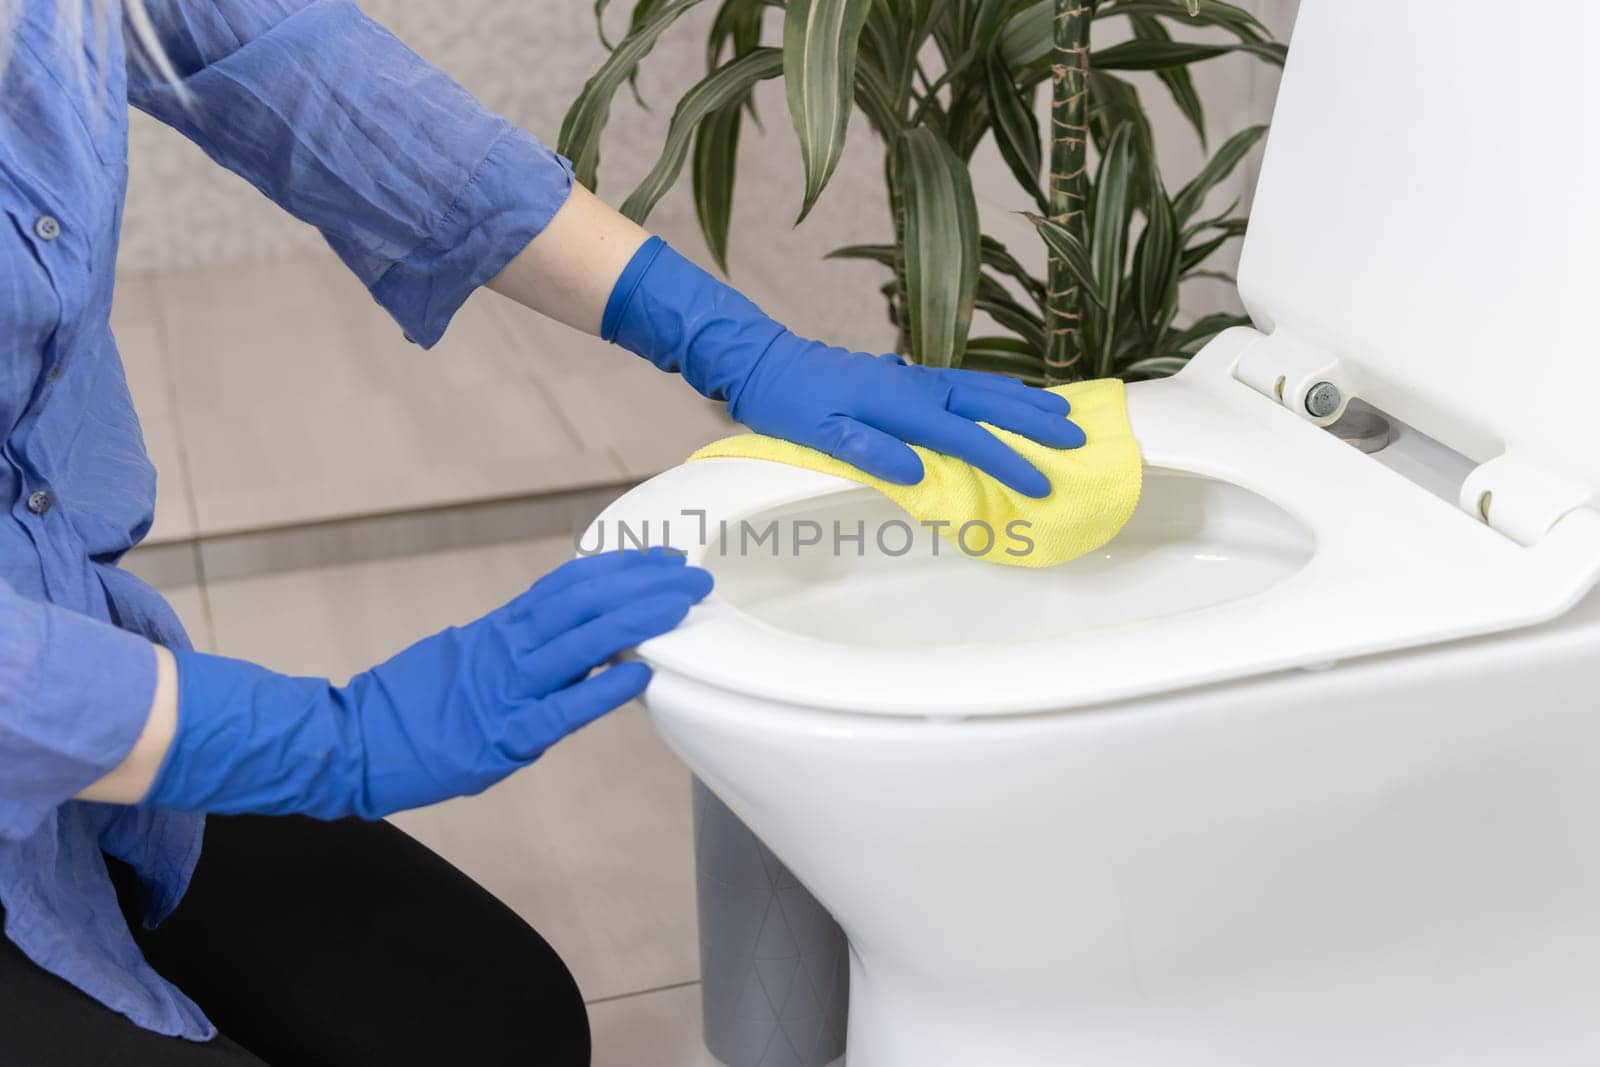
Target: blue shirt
<point>423,193</point>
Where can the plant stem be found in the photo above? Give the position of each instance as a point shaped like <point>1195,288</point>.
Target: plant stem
<point>1069,183</point>
<point>897,211</point>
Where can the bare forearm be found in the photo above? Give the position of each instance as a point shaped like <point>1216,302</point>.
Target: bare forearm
<point>130,780</point>
<point>569,270</point>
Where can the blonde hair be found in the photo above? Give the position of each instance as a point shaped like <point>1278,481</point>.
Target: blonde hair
<point>143,43</point>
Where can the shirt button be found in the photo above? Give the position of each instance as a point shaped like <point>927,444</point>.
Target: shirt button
<point>55,372</point>
<point>39,501</point>
<point>46,228</point>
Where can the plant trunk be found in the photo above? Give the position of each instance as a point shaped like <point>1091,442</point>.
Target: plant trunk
<point>899,305</point>
<point>1069,184</point>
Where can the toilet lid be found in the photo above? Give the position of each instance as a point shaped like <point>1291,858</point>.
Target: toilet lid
<point>1427,213</point>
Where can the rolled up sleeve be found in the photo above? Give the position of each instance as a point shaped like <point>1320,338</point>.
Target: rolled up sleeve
<point>74,696</point>
<point>423,192</point>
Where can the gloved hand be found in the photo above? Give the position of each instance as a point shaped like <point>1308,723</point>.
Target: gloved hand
<point>859,408</point>
<point>449,716</point>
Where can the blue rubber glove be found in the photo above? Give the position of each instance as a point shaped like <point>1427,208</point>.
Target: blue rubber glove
<point>858,408</point>
<point>449,716</point>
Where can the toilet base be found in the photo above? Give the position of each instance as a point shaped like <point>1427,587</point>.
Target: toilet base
<point>893,1023</point>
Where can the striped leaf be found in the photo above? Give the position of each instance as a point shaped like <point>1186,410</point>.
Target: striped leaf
<point>941,246</point>
<point>1108,237</point>
<point>1155,263</point>
<point>988,21</point>
<point>1001,306</point>
<point>1026,39</point>
<point>715,169</point>
<point>728,85</point>
<point>586,119</point>
<point>1230,17</point>
<point>997,258</point>
<point>820,38</point>
<point>1157,55</point>
<point>737,22</point>
<point>1016,129</point>
<point>876,253</point>
<point>1115,102</point>
<point>1199,333</point>
<point>1216,170</point>
<point>1154,367</point>
<point>1177,79</point>
<point>1011,356</point>
<point>1064,244</point>
<point>1197,254</point>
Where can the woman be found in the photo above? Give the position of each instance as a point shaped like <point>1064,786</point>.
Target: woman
<point>134,928</point>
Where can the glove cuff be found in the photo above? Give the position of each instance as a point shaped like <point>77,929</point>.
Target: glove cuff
<point>622,293</point>
<point>679,317</point>
<point>251,740</point>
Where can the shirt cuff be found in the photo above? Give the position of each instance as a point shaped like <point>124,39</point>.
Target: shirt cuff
<point>86,706</point>
<point>509,199</point>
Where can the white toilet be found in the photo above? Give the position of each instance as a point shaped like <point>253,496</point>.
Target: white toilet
<point>1304,767</point>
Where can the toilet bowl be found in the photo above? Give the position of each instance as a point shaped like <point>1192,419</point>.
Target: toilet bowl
<point>1303,766</point>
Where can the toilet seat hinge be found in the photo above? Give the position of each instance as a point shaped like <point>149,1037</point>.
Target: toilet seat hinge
<point>1302,378</point>
<point>1520,498</point>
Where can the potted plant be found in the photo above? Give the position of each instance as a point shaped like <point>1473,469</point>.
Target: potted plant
<point>1110,300</point>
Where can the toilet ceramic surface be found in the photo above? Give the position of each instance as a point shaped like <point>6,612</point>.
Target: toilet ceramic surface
<point>1261,543</point>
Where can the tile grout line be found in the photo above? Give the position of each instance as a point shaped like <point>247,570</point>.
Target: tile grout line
<point>199,550</point>
<point>642,992</point>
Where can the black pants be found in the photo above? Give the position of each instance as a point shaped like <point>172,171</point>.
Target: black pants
<point>315,944</point>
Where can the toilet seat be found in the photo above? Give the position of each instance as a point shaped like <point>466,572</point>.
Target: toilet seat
<point>1394,567</point>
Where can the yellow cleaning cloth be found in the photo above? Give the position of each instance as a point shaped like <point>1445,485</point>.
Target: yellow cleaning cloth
<point>1094,489</point>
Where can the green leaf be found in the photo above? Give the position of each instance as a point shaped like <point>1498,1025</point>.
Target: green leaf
<point>643,12</point>
<point>1028,35</point>
<point>737,22</point>
<point>716,155</point>
<point>600,23</point>
<point>1114,102</point>
<point>1205,224</point>
<point>820,38</point>
<point>1202,330</point>
<point>876,100</point>
<point>1016,129</point>
<point>999,346</point>
<point>1108,238</point>
<point>1230,17</point>
<point>1156,55</point>
<point>1177,79</point>
<point>1216,170</point>
<point>727,85</point>
<point>996,257</point>
<point>1011,356</point>
<point>1064,244</point>
<point>988,22</point>
<point>1155,263</point>
<point>586,118</point>
<point>883,254</point>
<point>1155,367</point>
<point>1195,255</point>
<point>1004,309</point>
<point>941,246</point>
